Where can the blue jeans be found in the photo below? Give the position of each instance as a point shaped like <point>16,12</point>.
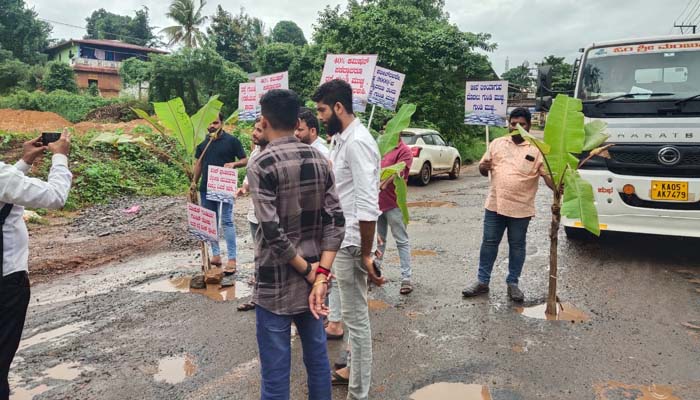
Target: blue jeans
<point>494,226</point>
<point>227,222</point>
<point>274,335</point>
<point>394,219</point>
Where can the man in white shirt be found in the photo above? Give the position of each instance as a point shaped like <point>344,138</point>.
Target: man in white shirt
<point>307,132</point>
<point>355,159</point>
<point>16,192</point>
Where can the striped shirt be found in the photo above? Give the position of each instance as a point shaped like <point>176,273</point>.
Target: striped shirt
<point>295,201</point>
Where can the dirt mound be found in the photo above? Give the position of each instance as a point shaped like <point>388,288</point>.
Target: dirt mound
<point>128,127</point>
<point>31,121</point>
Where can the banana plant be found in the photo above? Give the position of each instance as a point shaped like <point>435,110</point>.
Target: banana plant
<point>388,142</point>
<point>566,137</point>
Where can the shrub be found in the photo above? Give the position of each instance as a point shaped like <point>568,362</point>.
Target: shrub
<point>13,73</point>
<point>60,77</point>
<point>71,106</point>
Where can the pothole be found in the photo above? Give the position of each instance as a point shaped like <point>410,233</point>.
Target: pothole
<point>565,312</point>
<point>423,253</point>
<point>452,391</point>
<point>621,391</point>
<point>52,335</point>
<point>175,369</point>
<point>377,305</point>
<point>432,204</point>
<point>181,284</point>
<point>67,371</point>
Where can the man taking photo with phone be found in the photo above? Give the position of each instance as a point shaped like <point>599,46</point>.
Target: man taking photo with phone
<point>16,192</point>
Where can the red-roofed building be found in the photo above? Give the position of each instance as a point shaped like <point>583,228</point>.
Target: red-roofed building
<point>98,61</point>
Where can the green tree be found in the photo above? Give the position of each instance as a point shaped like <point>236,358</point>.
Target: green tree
<point>416,38</point>
<point>236,37</point>
<point>288,32</point>
<point>21,32</point>
<point>134,71</point>
<point>13,73</point>
<point>275,57</point>
<point>60,77</point>
<point>102,24</point>
<point>188,17</point>
<point>519,77</point>
<point>305,70</point>
<point>561,73</point>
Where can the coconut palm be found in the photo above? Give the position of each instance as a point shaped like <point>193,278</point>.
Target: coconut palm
<point>189,19</point>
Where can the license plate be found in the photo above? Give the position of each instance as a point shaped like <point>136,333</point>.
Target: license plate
<point>669,190</point>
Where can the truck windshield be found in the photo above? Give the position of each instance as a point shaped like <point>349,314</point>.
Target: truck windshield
<point>642,69</point>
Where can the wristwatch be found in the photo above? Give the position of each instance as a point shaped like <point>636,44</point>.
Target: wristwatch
<point>308,269</point>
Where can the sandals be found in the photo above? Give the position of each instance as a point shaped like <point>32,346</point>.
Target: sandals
<point>330,336</point>
<point>406,288</point>
<point>229,270</point>
<point>246,307</point>
<point>337,380</point>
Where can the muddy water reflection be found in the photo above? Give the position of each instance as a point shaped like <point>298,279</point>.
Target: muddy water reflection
<point>52,335</point>
<point>65,371</point>
<point>181,284</point>
<point>565,312</point>
<point>621,391</point>
<point>175,369</point>
<point>452,391</point>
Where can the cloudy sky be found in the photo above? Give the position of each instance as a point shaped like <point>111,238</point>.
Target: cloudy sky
<point>523,30</point>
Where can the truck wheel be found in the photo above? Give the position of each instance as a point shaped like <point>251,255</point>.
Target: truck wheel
<point>425,174</point>
<point>577,234</point>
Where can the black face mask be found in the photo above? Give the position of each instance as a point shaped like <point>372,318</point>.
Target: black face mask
<point>333,125</point>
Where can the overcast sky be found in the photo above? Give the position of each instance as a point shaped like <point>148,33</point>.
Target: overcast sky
<point>523,30</point>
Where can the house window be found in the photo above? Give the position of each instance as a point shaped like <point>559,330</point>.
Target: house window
<point>109,55</point>
<point>92,82</point>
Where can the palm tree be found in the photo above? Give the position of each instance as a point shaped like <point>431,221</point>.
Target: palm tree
<point>189,18</point>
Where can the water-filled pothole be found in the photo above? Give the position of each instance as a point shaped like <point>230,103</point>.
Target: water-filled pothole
<point>377,305</point>
<point>175,369</point>
<point>423,253</point>
<point>52,335</point>
<point>621,391</point>
<point>181,284</point>
<point>452,391</point>
<point>565,312</point>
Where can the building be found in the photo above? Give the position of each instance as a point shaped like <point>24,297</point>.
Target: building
<point>98,61</point>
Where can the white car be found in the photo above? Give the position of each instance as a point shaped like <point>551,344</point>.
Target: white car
<point>431,155</point>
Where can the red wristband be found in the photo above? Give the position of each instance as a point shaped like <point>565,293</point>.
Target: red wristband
<point>323,271</point>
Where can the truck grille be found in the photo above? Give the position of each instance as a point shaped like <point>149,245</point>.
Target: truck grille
<point>642,160</point>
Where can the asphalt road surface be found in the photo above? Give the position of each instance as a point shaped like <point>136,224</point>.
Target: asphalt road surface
<point>126,331</point>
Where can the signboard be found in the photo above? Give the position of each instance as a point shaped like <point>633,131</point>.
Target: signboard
<point>201,223</point>
<point>222,184</point>
<point>486,103</point>
<point>667,48</point>
<point>264,84</point>
<point>355,69</point>
<point>247,101</point>
<point>386,88</point>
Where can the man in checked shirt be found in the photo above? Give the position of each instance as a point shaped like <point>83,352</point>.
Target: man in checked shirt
<point>301,228</point>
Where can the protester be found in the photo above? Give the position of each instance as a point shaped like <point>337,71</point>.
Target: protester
<point>307,132</point>
<point>223,150</point>
<point>299,233</point>
<point>515,167</point>
<point>393,217</point>
<point>260,143</point>
<point>355,158</point>
<point>16,192</point>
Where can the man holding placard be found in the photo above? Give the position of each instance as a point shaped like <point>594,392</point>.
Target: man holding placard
<point>220,149</point>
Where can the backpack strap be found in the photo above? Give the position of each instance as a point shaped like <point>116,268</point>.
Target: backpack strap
<point>4,212</point>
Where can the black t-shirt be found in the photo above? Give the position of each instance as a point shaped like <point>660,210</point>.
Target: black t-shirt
<point>225,149</point>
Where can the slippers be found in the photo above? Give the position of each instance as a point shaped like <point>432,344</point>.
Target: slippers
<point>330,336</point>
<point>246,307</point>
<point>337,380</point>
<point>406,288</point>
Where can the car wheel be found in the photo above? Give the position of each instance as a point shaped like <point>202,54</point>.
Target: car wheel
<point>456,167</point>
<point>425,174</point>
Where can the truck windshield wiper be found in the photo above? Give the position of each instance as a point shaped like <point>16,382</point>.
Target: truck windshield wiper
<point>687,99</point>
<point>631,95</point>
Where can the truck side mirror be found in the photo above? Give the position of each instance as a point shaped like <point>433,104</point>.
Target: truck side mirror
<point>543,103</point>
<point>544,80</point>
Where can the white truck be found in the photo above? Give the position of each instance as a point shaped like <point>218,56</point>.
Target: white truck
<point>648,92</point>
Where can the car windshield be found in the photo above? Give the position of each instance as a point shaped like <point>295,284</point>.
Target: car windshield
<point>643,69</point>
<point>409,138</point>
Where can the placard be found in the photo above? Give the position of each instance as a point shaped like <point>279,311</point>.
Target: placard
<point>201,223</point>
<point>355,69</point>
<point>247,101</point>
<point>386,88</point>
<point>264,84</point>
<point>486,103</point>
<point>222,184</point>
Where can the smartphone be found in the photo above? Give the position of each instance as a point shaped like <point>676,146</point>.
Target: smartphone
<point>49,137</point>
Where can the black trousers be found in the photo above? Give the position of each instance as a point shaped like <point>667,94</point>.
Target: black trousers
<point>14,300</point>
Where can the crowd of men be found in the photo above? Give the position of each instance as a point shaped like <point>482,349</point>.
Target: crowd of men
<point>319,219</point>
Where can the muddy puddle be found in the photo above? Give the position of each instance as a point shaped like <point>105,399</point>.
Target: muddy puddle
<point>52,335</point>
<point>181,284</point>
<point>175,369</point>
<point>377,305</point>
<point>423,253</point>
<point>452,391</point>
<point>565,312</point>
<point>621,391</point>
<point>23,393</point>
<point>432,204</point>
<point>67,371</point>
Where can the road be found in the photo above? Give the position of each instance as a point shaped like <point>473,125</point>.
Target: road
<point>113,333</point>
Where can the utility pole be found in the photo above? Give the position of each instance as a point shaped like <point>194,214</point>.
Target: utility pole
<point>685,26</point>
